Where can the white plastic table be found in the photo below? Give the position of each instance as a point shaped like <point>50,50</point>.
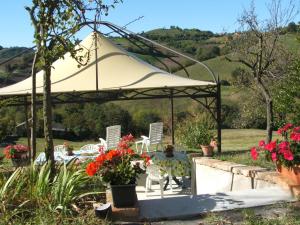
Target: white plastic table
<point>63,158</point>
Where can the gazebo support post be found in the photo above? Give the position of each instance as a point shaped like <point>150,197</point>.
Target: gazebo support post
<point>172,116</point>
<point>219,121</point>
<point>27,125</point>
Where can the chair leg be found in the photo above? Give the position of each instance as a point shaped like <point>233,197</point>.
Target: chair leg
<point>147,147</point>
<point>142,149</point>
<point>161,188</point>
<point>147,186</point>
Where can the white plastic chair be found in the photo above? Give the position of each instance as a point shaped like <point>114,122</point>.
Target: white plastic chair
<point>113,136</point>
<point>155,137</point>
<point>91,148</point>
<point>59,148</point>
<point>154,174</point>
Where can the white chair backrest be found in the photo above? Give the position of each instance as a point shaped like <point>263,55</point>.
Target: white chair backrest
<point>156,133</point>
<point>113,136</point>
<point>89,147</point>
<point>59,148</point>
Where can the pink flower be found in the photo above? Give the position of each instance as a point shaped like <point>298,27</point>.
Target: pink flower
<point>280,131</point>
<point>271,146</point>
<point>274,156</point>
<point>284,146</point>
<point>297,129</point>
<point>287,126</point>
<point>288,155</point>
<point>261,143</point>
<point>254,153</point>
<point>295,136</point>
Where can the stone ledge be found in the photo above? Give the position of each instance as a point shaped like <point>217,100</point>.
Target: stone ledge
<point>254,172</point>
<point>248,171</point>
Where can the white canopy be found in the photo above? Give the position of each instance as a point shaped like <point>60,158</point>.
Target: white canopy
<point>117,69</point>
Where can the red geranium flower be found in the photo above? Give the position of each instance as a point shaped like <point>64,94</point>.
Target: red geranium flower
<point>92,168</point>
<point>271,146</point>
<point>261,143</point>
<point>118,166</point>
<point>274,156</point>
<point>295,136</point>
<point>254,153</point>
<point>288,155</point>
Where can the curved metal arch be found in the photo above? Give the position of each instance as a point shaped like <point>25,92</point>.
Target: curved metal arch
<point>108,24</point>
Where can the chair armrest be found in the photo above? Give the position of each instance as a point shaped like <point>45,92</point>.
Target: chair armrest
<point>144,137</point>
<point>102,141</point>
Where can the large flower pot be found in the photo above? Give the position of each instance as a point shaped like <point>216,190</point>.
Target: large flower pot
<point>208,150</point>
<point>124,195</point>
<point>20,159</point>
<point>293,174</point>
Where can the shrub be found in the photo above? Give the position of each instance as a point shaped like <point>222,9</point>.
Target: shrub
<point>194,133</point>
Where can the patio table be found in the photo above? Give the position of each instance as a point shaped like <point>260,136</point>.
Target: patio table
<point>61,157</point>
<point>176,166</point>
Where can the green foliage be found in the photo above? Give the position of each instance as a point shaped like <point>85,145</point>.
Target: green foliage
<point>33,188</point>
<point>207,52</point>
<point>292,27</point>
<point>142,119</point>
<point>287,97</point>
<point>195,132</point>
<point>241,77</point>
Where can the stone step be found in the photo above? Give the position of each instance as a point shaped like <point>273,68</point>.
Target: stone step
<point>123,214</point>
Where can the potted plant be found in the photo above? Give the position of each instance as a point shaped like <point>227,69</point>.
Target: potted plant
<point>196,134</point>
<point>120,169</point>
<point>204,137</point>
<point>284,153</point>
<point>69,149</point>
<point>169,151</point>
<point>19,154</point>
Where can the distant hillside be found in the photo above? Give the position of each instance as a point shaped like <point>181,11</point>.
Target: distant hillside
<point>16,69</point>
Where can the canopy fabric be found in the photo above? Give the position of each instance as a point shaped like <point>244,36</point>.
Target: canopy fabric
<point>117,69</point>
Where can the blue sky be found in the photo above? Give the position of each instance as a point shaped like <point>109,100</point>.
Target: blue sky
<point>214,15</point>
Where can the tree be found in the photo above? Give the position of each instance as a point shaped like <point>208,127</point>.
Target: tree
<point>55,23</point>
<point>292,27</point>
<point>258,49</point>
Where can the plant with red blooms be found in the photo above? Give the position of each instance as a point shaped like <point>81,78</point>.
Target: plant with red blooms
<point>119,166</point>
<point>15,151</point>
<point>285,151</point>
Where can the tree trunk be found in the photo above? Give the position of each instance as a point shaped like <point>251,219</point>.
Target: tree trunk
<point>33,107</point>
<point>269,105</point>
<point>270,120</point>
<point>47,114</point>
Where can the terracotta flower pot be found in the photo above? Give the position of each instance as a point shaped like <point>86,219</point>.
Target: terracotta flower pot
<point>293,174</point>
<point>20,159</point>
<point>208,150</point>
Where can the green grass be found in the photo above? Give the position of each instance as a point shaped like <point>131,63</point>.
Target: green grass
<point>219,65</point>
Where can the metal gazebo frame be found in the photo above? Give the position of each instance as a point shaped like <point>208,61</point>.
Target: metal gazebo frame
<point>208,96</point>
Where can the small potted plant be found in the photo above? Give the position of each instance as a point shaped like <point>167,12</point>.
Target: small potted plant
<point>196,134</point>
<point>203,136</point>
<point>169,151</point>
<point>69,149</point>
<point>120,169</point>
<point>285,153</point>
<point>19,154</point>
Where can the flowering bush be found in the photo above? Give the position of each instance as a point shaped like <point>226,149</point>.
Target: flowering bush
<point>13,151</point>
<point>285,151</point>
<point>117,166</point>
